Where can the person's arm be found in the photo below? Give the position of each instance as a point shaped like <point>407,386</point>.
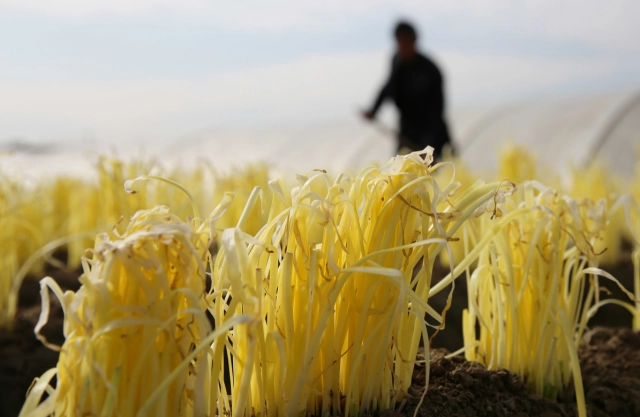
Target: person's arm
<point>382,95</point>
<point>385,92</point>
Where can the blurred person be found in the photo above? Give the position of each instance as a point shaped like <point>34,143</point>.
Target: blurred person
<point>416,86</point>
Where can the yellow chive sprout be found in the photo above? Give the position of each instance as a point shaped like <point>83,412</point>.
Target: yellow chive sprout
<point>132,325</point>
<point>535,287</point>
<point>337,284</point>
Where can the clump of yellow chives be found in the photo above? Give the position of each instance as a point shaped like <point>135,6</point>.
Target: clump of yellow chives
<point>84,215</point>
<point>9,258</point>
<point>32,221</point>
<point>634,190</point>
<point>242,181</point>
<point>338,284</point>
<point>9,265</point>
<point>20,235</point>
<point>69,212</point>
<point>103,204</point>
<point>466,179</point>
<point>131,328</point>
<point>528,290</point>
<point>596,182</point>
<point>632,217</point>
<point>79,205</point>
<point>516,164</point>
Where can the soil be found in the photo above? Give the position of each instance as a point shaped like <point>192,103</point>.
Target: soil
<point>461,388</point>
<point>610,361</point>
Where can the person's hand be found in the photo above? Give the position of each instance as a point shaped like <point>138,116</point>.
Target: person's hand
<point>368,115</point>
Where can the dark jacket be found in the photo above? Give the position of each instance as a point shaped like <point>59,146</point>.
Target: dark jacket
<point>416,88</point>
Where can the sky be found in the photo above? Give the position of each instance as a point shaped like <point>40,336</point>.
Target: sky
<point>160,69</point>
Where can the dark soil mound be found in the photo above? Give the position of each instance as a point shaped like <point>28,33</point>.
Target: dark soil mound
<point>610,365</point>
<point>461,388</point>
<point>610,361</point>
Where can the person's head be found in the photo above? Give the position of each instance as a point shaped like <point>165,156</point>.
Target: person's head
<point>406,37</point>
